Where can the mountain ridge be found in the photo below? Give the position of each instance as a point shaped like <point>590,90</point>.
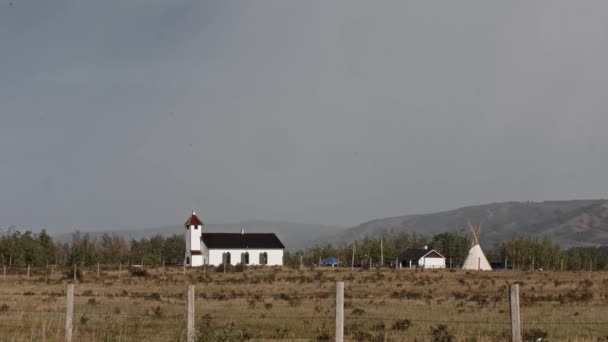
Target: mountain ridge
<point>568,223</point>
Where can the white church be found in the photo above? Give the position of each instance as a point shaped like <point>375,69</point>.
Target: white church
<point>231,248</point>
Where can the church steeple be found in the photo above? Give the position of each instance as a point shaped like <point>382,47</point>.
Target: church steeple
<point>194,251</point>
<point>193,221</point>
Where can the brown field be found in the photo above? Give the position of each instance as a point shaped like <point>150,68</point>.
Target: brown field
<point>287,304</point>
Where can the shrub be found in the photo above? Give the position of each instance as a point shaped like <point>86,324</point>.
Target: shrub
<point>280,333</point>
<point>208,331</point>
<point>295,301</point>
<point>459,295</point>
<point>70,274</point>
<point>362,336</point>
<point>322,335</point>
<point>535,334</point>
<point>358,312</point>
<point>220,268</point>
<point>138,272</point>
<point>440,333</point>
<point>153,296</point>
<point>251,303</point>
<point>379,327</point>
<point>481,300</point>
<point>402,324</point>
<point>157,311</point>
<point>406,294</point>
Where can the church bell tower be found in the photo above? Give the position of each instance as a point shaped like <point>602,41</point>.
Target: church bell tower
<point>194,253</point>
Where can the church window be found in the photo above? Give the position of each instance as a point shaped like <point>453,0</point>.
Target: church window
<point>226,258</point>
<point>263,258</point>
<point>187,260</point>
<point>245,258</point>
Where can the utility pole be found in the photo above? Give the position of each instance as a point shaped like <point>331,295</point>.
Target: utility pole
<point>381,252</point>
<point>532,265</point>
<point>352,262</point>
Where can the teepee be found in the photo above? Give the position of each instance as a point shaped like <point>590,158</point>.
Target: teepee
<point>476,260</point>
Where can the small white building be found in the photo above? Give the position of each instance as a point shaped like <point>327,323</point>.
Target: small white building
<point>422,257</point>
<point>231,248</point>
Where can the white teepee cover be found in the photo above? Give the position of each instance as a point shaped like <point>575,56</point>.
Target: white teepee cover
<point>476,260</point>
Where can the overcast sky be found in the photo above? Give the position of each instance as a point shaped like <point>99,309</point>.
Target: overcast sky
<point>128,114</point>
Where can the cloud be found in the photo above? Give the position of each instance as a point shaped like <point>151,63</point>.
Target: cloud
<point>128,114</point>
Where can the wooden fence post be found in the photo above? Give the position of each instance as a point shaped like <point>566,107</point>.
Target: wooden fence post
<point>119,269</point>
<point>97,270</point>
<point>339,311</point>
<point>4,272</point>
<point>69,313</point>
<point>28,271</point>
<point>515,316</point>
<point>190,323</point>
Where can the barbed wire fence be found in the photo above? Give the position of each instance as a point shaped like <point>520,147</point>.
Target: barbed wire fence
<point>189,315</point>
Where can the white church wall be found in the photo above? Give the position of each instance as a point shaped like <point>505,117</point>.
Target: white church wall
<point>275,256</point>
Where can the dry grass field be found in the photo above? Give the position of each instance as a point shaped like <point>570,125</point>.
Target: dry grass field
<point>286,304</point>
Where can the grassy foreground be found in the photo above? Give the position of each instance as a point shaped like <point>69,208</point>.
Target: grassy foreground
<point>265,304</point>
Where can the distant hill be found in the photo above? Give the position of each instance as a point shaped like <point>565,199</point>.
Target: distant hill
<point>568,223</point>
<point>293,235</point>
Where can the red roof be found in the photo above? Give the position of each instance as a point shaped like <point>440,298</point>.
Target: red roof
<point>194,221</point>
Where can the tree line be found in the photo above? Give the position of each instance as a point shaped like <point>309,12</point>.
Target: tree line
<point>453,246</point>
<point>535,253</point>
<point>518,253</point>
<point>19,248</point>
<point>27,248</point>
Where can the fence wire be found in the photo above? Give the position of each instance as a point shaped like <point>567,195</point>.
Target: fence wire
<point>315,317</point>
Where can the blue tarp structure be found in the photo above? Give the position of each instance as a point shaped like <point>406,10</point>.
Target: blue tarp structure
<point>330,261</point>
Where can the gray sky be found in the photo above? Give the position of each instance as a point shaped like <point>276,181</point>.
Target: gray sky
<point>127,114</point>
